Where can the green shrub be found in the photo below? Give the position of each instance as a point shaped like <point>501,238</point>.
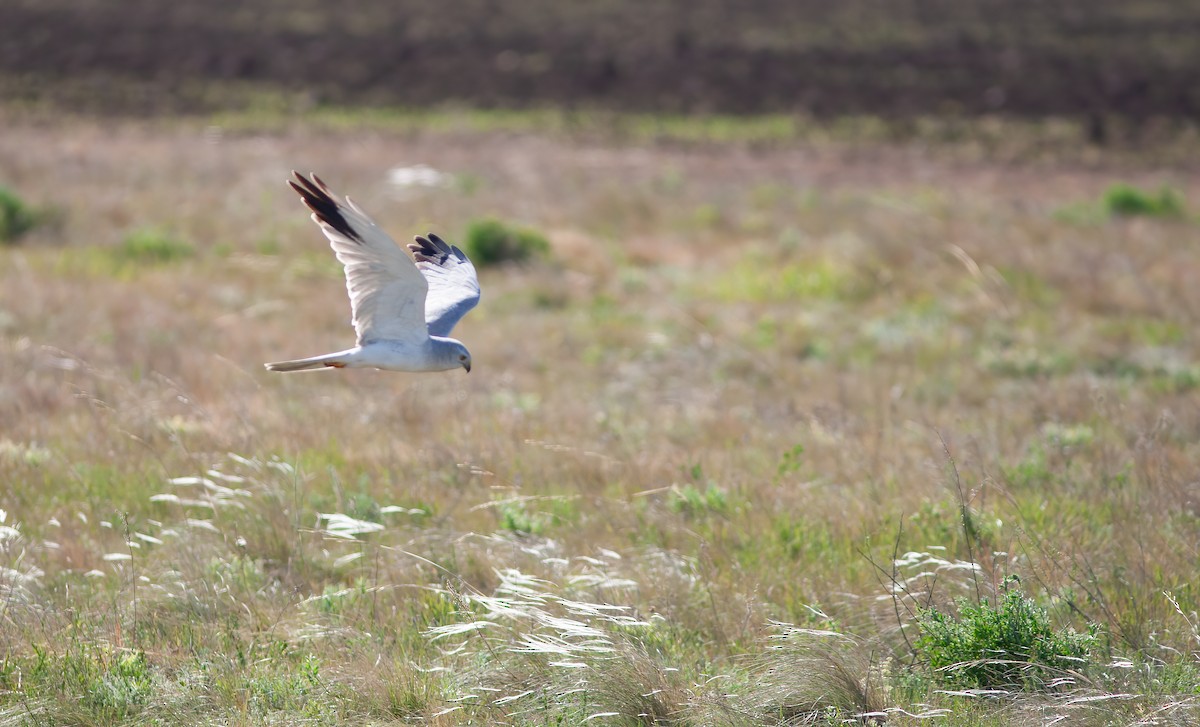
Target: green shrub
<point>1124,200</point>
<point>490,241</point>
<point>16,217</point>
<point>1010,644</point>
<point>151,246</point>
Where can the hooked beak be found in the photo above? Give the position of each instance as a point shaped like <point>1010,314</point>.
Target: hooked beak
<point>467,366</point>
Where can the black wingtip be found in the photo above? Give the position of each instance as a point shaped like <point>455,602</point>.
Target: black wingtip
<point>430,248</point>
<point>316,196</point>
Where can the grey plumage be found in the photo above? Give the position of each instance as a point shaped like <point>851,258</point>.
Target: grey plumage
<point>453,283</point>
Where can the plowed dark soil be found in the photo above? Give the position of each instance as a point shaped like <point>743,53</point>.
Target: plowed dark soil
<point>1133,58</point>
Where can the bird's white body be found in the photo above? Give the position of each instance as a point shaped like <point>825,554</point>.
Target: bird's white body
<point>403,307</point>
<point>436,354</point>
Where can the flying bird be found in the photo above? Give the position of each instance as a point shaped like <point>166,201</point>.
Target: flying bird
<point>403,308</point>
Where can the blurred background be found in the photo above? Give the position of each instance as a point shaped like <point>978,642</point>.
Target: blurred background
<point>1094,60</point>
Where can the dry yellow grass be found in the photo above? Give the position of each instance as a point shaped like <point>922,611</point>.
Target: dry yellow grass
<point>747,378</point>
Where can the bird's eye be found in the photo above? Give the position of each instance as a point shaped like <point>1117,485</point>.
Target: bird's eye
<point>462,358</point>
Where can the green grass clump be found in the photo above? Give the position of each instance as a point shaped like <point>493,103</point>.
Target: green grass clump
<point>489,242</point>
<point>152,245</point>
<point>16,217</point>
<point>107,684</point>
<point>1125,200</point>
<point>1009,644</point>
<point>693,501</point>
<point>516,518</point>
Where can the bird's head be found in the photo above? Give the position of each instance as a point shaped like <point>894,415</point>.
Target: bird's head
<point>450,354</point>
<point>463,357</point>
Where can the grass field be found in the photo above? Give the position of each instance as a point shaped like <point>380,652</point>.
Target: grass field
<point>765,409</point>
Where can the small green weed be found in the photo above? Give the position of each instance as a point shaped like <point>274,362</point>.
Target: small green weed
<point>16,217</point>
<point>111,684</point>
<point>692,501</point>
<point>1009,644</point>
<point>272,691</point>
<point>516,518</point>
<point>490,242</point>
<point>150,245</point>
<point>125,684</point>
<point>1125,200</point>
<point>791,461</point>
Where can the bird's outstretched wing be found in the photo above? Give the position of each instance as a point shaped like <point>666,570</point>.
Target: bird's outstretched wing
<point>453,284</point>
<point>387,293</point>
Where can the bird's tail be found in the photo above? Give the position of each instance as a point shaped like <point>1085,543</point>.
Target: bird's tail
<point>336,360</point>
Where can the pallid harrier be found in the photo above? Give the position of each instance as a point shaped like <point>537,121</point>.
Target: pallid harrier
<point>402,308</point>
